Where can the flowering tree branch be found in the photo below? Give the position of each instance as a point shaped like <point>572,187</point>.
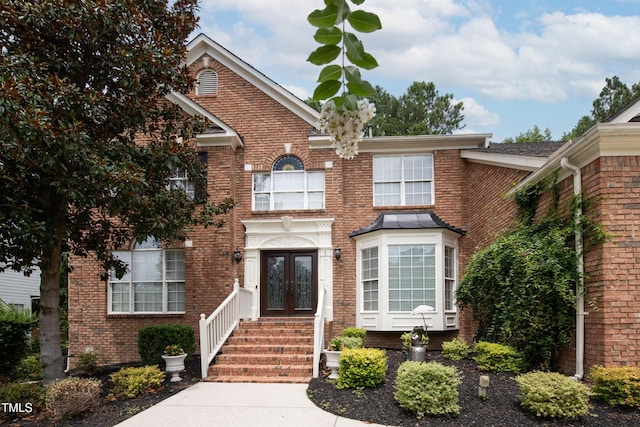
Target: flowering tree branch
<point>343,116</point>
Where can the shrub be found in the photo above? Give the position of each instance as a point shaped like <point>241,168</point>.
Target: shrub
<point>131,382</point>
<point>73,396</point>
<point>14,338</point>
<point>494,357</point>
<point>428,388</point>
<point>355,332</point>
<point>340,343</point>
<point>617,386</point>
<point>90,362</point>
<point>456,349</point>
<point>23,393</point>
<point>30,368</point>
<point>549,394</point>
<point>152,341</point>
<point>362,367</point>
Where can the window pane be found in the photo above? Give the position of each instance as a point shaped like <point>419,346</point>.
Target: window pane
<point>148,296</point>
<point>387,194</point>
<point>418,193</point>
<point>120,297</point>
<point>147,265</point>
<point>288,181</point>
<point>262,202</point>
<point>288,201</point>
<point>316,200</point>
<point>261,182</point>
<point>175,296</point>
<point>175,265</point>
<point>411,276</point>
<point>315,181</point>
<point>417,168</point>
<point>124,256</point>
<point>387,169</point>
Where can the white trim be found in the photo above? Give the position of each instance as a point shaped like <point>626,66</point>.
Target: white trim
<point>288,233</point>
<point>527,163</point>
<point>410,143</point>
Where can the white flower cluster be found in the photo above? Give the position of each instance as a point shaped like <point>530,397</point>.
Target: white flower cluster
<point>345,127</point>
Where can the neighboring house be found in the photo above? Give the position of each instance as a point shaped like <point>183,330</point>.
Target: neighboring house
<point>383,233</point>
<point>19,291</point>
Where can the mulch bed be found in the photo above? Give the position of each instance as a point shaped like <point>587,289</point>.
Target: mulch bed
<point>502,408</point>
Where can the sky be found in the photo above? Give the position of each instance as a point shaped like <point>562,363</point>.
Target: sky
<point>514,64</point>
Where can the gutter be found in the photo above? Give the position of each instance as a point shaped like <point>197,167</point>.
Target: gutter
<point>580,313</point>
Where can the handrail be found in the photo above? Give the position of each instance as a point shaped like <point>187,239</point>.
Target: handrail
<point>318,332</point>
<point>215,329</point>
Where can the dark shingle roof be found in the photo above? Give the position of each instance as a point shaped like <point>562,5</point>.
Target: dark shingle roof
<point>407,221</point>
<point>534,149</point>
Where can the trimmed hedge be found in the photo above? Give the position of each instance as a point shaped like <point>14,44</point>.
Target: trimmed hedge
<point>550,394</point>
<point>152,341</point>
<point>494,357</point>
<point>617,386</point>
<point>14,338</point>
<point>362,367</point>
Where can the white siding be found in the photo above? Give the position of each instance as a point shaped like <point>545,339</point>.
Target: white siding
<point>16,288</point>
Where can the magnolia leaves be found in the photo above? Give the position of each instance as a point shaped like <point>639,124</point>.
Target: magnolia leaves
<point>332,34</point>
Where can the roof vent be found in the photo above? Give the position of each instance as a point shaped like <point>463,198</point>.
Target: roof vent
<point>207,83</point>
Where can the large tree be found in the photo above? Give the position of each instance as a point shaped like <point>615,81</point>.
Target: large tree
<point>80,83</point>
<point>421,110</point>
<point>614,96</point>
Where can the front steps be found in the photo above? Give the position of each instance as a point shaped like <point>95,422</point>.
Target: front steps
<point>270,350</point>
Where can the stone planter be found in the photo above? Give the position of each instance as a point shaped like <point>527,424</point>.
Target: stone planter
<point>333,362</point>
<point>174,365</point>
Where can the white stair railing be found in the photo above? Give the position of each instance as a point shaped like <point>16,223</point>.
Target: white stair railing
<point>215,329</point>
<point>318,332</point>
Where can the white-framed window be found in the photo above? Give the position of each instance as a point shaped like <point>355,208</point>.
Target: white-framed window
<point>288,186</point>
<point>207,82</point>
<point>405,180</point>
<point>154,282</point>
<point>450,275</point>
<point>370,279</point>
<point>412,268</point>
<point>179,180</point>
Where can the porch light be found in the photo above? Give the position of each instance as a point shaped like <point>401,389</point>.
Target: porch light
<point>237,256</point>
<point>337,252</point>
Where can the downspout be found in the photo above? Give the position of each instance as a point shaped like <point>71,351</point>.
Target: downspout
<point>580,313</point>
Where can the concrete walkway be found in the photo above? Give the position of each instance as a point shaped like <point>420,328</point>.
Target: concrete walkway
<point>239,405</point>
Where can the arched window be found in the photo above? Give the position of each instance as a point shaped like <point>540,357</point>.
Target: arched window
<point>207,82</point>
<point>288,187</point>
<point>154,282</point>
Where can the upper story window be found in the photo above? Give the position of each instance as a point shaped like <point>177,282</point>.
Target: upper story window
<point>154,282</point>
<point>179,180</point>
<point>403,180</point>
<point>207,82</point>
<point>288,186</point>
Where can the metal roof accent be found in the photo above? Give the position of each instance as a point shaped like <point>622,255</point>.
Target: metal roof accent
<point>419,220</point>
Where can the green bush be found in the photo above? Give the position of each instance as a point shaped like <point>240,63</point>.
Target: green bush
<point>14,338</point>
<point>362,367</point>
<point>73,396</point>
<point>131,382</point>
<point>340,343</point>
<point>549,394</point>
<point>456,349</point>
<point>428,388</point>
<point>355,332</point>
<point>152,341</point>
<point>25,393</point>
<point>494,357</point>
<point>617,386</point>
<point>30,368</point>
<point>90,362</point>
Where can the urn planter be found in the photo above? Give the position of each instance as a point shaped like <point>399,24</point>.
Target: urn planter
<point>174,365</point>
<point>333,362</point>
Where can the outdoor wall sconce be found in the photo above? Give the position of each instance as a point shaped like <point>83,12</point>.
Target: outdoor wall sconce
<point>237,256</point>
<point>337,252</point>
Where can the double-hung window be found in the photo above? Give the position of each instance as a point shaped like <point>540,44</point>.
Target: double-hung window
<point>403,180</point>
<point>179,180</point>
<point>370,279</point>
<point>288,186</point>
<point>154,282</point>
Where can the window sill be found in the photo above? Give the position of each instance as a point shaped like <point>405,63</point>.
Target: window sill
<point>145,315</point>
<point>408,207</point>
<point>293,211</point>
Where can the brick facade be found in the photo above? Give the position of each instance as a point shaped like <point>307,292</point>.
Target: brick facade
<point>468,195</point>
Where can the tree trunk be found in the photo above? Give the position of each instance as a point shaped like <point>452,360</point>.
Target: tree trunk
<point>50,334</point>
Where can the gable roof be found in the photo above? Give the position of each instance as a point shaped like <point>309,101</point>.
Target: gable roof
<point>629,114</point>
<point>407,221</point>
<point>203,45</point>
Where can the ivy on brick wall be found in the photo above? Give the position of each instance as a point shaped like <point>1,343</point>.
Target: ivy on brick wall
<point>522,287</point>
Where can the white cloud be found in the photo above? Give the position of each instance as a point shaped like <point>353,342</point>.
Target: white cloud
<point>476,115</point>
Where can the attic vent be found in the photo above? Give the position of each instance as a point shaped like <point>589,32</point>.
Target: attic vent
<point>207,83</point>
